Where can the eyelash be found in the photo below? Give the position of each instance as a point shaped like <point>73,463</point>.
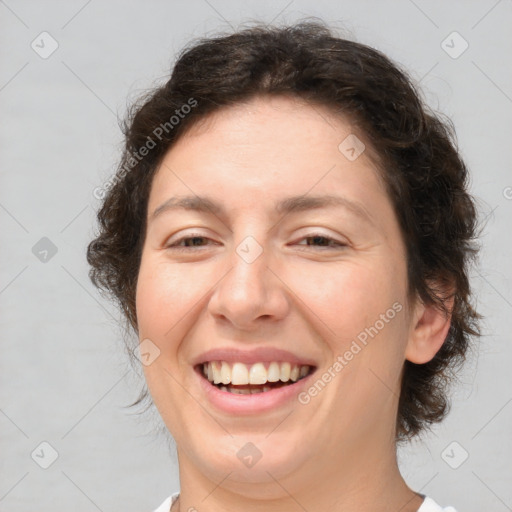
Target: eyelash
<point>175,247</point>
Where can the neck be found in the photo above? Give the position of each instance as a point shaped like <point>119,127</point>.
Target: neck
<point>361,479</point>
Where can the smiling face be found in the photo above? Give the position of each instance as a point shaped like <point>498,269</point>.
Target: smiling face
<point>262,278</point>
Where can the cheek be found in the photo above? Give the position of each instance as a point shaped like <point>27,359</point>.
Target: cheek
<point>165,301</point>
<point>166,294</point>
<point>164,298</point>
<point>359,311</point>
<point>347,297</point>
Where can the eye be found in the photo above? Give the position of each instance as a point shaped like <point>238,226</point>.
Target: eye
<point>196,240</point>
<point>320,240</point>
<point>190,241</point>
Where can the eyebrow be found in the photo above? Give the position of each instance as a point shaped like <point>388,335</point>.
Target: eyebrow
<point>287,205</point>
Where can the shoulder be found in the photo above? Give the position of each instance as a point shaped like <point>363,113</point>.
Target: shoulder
<point>429,505</point>
<point>165,506</point>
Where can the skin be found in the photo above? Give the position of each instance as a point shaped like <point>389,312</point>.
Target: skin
<point>336,452</point>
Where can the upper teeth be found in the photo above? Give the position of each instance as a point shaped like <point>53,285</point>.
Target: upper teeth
<point>238,373</point>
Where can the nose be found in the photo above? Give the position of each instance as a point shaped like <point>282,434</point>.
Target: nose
<point>251,294</point>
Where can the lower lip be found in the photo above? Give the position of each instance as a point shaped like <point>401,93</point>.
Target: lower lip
<point>254,403</point>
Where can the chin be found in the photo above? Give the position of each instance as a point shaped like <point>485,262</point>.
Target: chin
<point>256,458</point>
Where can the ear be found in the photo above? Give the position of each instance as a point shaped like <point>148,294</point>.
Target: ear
<point>428,331</point>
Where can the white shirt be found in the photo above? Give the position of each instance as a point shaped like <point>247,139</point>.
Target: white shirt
<point>428,505</point>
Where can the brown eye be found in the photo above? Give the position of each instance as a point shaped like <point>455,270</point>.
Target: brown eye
<point>320,240</point>
<point>188,242</point>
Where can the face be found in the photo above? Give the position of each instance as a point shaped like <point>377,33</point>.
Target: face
<point>273,283</point>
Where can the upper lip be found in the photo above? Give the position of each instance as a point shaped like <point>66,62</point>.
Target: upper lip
<point>257,355</point>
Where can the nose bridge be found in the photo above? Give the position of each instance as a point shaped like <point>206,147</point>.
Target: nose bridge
<point>251,252</point>
<point>248,281</point>
<point>249,290</point>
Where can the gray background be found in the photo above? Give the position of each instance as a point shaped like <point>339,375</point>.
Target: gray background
<point>63,371</point>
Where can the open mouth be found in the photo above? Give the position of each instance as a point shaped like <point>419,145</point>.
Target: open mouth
<point>242,379</point>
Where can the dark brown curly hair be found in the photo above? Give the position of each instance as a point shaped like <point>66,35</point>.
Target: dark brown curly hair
<point>425,176</point>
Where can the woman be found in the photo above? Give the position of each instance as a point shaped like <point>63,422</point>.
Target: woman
<point>289,234</point>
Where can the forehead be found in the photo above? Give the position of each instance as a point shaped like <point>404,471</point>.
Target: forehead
<point>267,149</point>
<point>281,124</point>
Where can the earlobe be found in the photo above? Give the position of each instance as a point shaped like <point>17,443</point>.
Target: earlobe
<point>429,329</point>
